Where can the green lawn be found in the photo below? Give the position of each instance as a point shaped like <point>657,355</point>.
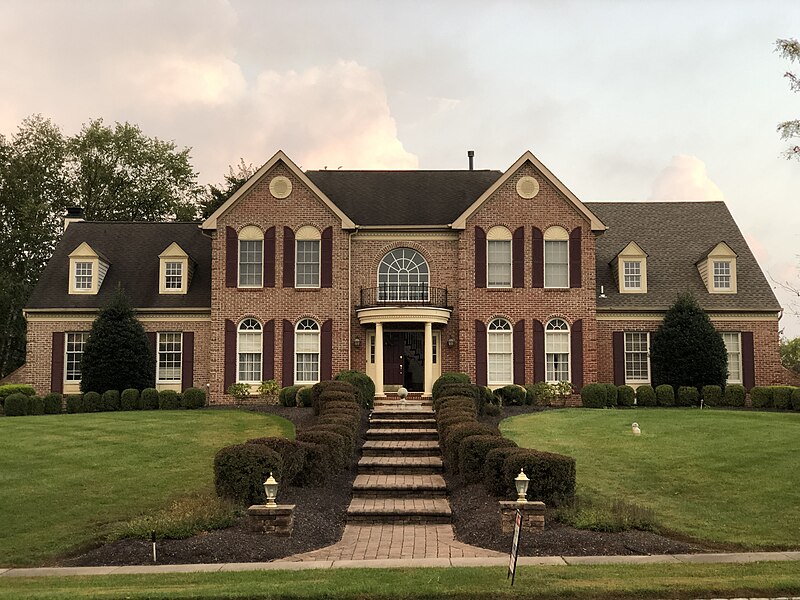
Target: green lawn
<point>66,480</point>
<point>724,476</point>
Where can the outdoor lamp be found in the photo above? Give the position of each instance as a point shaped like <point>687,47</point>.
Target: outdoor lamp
<point>357,342</point>
<point>522,486</point>
<point>271,489</point>
<point>451,342</point>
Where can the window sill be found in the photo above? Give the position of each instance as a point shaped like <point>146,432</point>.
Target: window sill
<point>307,289</point>
<point>249,289</point>
<point>500,289</point>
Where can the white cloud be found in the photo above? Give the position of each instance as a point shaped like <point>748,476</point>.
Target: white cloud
<point>685,178</point>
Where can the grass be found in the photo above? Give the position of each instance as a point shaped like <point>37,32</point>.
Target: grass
<point>677,581</point>
<point>728,477</point>
<point>70,480</point>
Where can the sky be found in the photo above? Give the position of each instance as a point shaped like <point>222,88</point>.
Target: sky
<point>623,101</point>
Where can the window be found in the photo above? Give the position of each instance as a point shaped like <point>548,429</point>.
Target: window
<point>637,357</point>
<point>403,276</point>
<point>434,349</point>
<point>500,357</point>
<point>307,271</point>
<point>498,255</point>
<point>173,275</point>
<point>734,347</point>
<point>169,357</point>
<point>718,269</point>
<point>83,275</point>
<point>306,352</point>
<point>372,349</point>
<point>632,274</point>
<point>249,351</point>
<point>556,351</point>
<point>556,258</point>
<point>251,257</point>
<point>175,270</point>
<point>74,345</point>
<point>722,275</point>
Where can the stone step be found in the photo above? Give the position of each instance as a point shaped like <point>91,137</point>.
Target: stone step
<point>402,434</point>
<point>399,486</point>
<point>399,465</point>
<point>399,511</point>
<point>402,423</point>
<point>401,448</point>
<point>393,402</point>
<point>402,413</point>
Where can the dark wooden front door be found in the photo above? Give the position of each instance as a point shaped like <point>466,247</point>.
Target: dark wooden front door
<point>393,347</point>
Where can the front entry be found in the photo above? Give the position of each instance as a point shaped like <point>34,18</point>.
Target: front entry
<point>404,359</point>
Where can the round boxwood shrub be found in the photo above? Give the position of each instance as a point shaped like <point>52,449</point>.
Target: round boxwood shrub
<point>15,388</point>
<point>444,425</point>
<point>240,471</point>
<point>193,398</point>
<point>129,400</point>
<point>53,403</point>
<point>168,400</point>
<point>688,396</point>
<point>347,390</point>
<point>288,395</point>
<point>149,399</point>
<point>492,410</point>
<point>593,395</point>
<point>346,432</point>
<point>646,396</point>
<point>734,395</point>
<point>460,402</point>
<point>16,405</point>
<point>449,378</point>
<point>92,402</point>
<point>761,397</point>
<point>625,395</point>
<point>74,403</point>
<point>303,396</point>
<point>293,455</point>
<point>455,434</point>
<point>796,398</point>
<point>665,395</point>
<point>340,418</point>
<point>455,411</point>
<point>111,400</point>
<point>782,396</point>
<point>712,395</point>
<point>35,405</point>
<point>335,444</point>
<point>363,383</point>
<point>511,395</point>
<point>552,476</point>
<point>460,390</point>
<point>317,468</point>
<point>472,454</point>
<point>493,478</point>
<point>611,394</point>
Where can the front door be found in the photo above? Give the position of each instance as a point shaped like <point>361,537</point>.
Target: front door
<point>393,368</point>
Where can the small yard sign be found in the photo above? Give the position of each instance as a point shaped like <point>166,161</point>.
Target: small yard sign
<point>512,562</point>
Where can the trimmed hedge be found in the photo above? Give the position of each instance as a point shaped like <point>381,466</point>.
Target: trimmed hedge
<point>293,455</point>
<point>734,395</point>
<point>74,404</point>
<point>193,398</point>
<point>347,392</point>
<point>288,395</point>
<point>35,405</point>
<point>493,478</point>
<point>241,470</point>
<point>363,383</point>
<point>796,399</point>
<point>443,426</point>
<point>15,388</point>
<point>318,466</point>
<point>53,403</point>
<point>148,400</point>
<point>646,396</point>
<point>472,454</point>
<point>665,395</point>
<point>303,396</point>
<point>168,400</point>
<point>611,394</point>
<point>492,410</point>
<point>16,405</point>
<point>92,402</point>
<point>110,400</point>
<point>347,433</point>
<point>761,397</point>
<point>782,396</point>
<point>552,476</point>
<point>593,395</point>
<point>335,444</point>
<point>456,434</point>
<point>688,396</point>
<point>512,395</point>
<point>712,395</point>
<point>129,400</point>
<point>459,402</point>
<point>625,395</point>
<point>445,378</point>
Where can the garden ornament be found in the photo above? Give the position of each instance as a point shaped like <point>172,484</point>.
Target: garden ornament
<point>635,429</point>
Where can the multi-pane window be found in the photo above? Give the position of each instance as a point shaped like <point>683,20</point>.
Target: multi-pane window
<point>307,269</point>
<point>249,351</point>
<point>734,347</point>
<point>169,357</point>
<point>372,349</point>
<point>434,349</point>
<point>500,348</point>
<point>556,351</point>
<point>637,362</point>
<point>498,263</point>
<point>632,273</point>
<point>556,264</point>
<point>722,274</point>
<point>74,345</point>
<point>403,276</point>
<point>251,263</point>
<point>306,351</point>
<point>83,275</point>
<point>173,275</point>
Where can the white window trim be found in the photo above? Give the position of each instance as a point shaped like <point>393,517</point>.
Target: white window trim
<point>297,283</point>
<point>85,254</point>
<point>721,253</point>
<point>421,293</point>
<point>569,352</point>
<point>713,276</point>
<point>632,253</point>
<point>72,382</point>
<point>498,233</point>
<point>178,381</point>
<point>318,331</point>
<point>625,286</point>
<point>625,358</point>
<point>738,334</point>
<point>555,233</point>
<point>251,233</point>
<point>509,332</point>
<point>260,353</point>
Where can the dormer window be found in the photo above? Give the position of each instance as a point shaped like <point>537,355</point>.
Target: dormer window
<point>175,270</point>
<point>632,274</point>
<point>722,274</point>
<point>83,276</point>
<point>718,269</point>
<point>87,269</point>
<point>174,275</point>
<point>631,265</point>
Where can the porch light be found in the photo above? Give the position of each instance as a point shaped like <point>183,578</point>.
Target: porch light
<point>271,489</point>
<point>522,482</point>
<point>357,342</point>
<point>451,342</point>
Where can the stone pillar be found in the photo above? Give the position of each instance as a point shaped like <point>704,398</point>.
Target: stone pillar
<point>271,519</point>
<point>532,515</point>
<point>379,393</point>
<point>428,386</point>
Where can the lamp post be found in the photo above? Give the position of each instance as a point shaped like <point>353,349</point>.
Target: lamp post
<point>271,489</point>
<point>521,482</point>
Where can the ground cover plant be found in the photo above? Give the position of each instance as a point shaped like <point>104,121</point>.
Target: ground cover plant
<point>721,476</point>
<point>67,480</point>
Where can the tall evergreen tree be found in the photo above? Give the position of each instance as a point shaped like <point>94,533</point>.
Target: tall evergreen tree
<point>117,355</point>
<point>686,349</point>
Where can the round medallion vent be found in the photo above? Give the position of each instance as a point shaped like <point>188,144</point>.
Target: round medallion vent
<point>280,186</point>
<point>527,187</point>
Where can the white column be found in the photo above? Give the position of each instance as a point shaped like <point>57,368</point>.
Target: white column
<point>428,388</point>
<point>379,360</point>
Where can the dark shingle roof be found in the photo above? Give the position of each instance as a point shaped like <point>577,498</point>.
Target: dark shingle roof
<point>675,236</point>
<point>403,197</point>
<point>132,249</point>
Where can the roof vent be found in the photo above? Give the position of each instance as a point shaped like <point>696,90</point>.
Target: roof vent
<point>527,187</point>
<point>280,187</point>
<point>470,156</point>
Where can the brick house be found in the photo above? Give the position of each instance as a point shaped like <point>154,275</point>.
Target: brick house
<point>405,275</point>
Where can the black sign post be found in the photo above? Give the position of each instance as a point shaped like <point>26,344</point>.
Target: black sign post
<point>512,562</point>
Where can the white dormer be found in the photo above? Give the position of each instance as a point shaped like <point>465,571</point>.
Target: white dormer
<point>718,270</point>
<point>87,269</point>
<point>175,270</point>
<point>632,269</point>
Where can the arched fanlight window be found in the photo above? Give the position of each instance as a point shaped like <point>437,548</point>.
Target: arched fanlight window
<point>403,276</point>
<point>556,350</point>
<point>306,351</point>
<point>500,352</point>
<point>248,356</point>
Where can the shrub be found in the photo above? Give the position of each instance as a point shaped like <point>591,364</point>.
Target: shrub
<point>168,400</point>
<point>539,394</point>
<point>240,471</point>
<point>347,390</point>
<point>467,390</point>
<point>488,397</point>
<point>761,397</point>
<point>625,395</point>
<point>317,468</point>
<point>688,396</point>
<point>511,395</point>
<point>455,434</point>
<point>492,410</point>
<point>455,410</point>
<point>665,395</point>
<point>646,396</point>
<point>611,394</point>
<point>712,395</point>
<point>268,390</point>
<point>53,403</point>
<point>303,396</point>
<point>562,390</point>
<point>493,478</point>
<point>92,402</point>
<point>15,388</point>
<point>335,444</point>
<point>341,406</point>
<point>596,395</point>
<point>193,398</point>
<point>351,420</point>
<point>449,378</point>
<point>782,396</point>
<point>363,383</point>
<point>74,404</point>
<point>796,398</point>
<point>552,476</point>
<point>129,400</point>
<point>460,402</point>
<point>288,395</point>
<point>149,399</point>
<point>444,425</point>
<point>734,395</point>
<point>293,455</point>
<point>336,398</point>
<point>16,405</point>
<point>110,400</point>
<point>239,391</point>
<point>35,405</point>
<point>472,454</point>
<point>347,433</point>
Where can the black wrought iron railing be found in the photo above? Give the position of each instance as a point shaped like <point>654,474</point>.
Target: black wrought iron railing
<point>392,294</point>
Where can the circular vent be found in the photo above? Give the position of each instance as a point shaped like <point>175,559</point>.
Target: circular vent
<point>527,187</point>
<point>280,187</point>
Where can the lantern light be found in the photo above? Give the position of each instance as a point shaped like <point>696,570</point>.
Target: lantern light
<point>521,482</point>
<point>271,489</point>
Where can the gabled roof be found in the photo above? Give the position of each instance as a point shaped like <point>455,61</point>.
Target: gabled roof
<point>133,252</point>
<point>675,234</point>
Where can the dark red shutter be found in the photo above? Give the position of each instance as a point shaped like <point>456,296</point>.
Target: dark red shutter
<point>269,258</point>
<point>480,258</point>
<point>575,258</point>
<point>268,351</point>
<point>326,258</point>
<point>481,376</point>
<point>518,258</point>
<point>288,260</point>
<point>187,360</point>
<point>230,354</point>
<point>748,360</point>
<point>152,339</point>
<point>57,363</point>
<point>538,351</point>
<point>538,259</point>
<point>231,257</point>
<point>576,348</point>
<point>519,352</point>
<point>618,353</point>
<point>287,357</point>
<point>326,352</point>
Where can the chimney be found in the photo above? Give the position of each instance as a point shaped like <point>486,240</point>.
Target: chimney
<point>470,155</point>
<point>74,215</point>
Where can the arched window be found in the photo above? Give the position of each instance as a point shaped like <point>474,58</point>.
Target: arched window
<point>556,258</point>
<point>249,351</point>
<point>251,257</point>
<point>306,352</point>
<point>556,350</point>
<point>500,359</point>
<point>403,276</point>
<point>498,255</point>
<point>307,241</point>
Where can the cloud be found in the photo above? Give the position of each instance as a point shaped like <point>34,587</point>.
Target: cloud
<point>685,178</point>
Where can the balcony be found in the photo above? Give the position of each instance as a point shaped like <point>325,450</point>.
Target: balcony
<point>400,294</point>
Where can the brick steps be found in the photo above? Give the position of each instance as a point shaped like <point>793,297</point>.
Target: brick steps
<point>400,465</point>
<point>401,448</point>
<point>402,434</point>
<point>393,510</point>
<point>402,423</point>
<point>399,486</point>
<point>402,414</point>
